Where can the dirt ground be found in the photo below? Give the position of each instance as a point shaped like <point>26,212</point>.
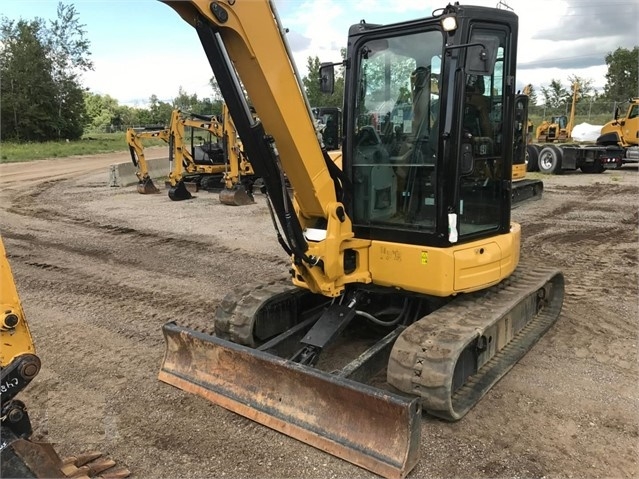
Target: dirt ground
<point>101,269</point>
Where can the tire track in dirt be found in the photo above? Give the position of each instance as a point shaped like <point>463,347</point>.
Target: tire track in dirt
<point>100,270</point>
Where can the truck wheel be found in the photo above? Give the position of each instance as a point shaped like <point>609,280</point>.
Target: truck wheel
<point>550,160</point>
<point>532,157</point>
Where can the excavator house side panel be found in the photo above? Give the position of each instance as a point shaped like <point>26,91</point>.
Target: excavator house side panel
<point>373,429</point>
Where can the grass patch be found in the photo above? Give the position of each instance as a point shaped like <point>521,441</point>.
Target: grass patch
<point>89,144</point>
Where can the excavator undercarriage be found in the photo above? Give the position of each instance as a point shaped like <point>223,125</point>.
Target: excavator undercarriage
<point>441,355</point>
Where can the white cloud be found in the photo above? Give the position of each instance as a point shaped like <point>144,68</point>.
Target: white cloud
<point>320,28</point>
<point>132,80</point>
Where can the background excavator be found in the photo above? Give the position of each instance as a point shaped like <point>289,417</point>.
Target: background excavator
<point>406,289</point>
<point>134,138</point>
<point>219,165</point>
<point>559,128</point>
<point>20,455</point>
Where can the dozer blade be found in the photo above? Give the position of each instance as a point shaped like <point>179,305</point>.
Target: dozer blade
<point>146,187</point>
<point>369,427</point>
<point>236,196</point>
<point>179,192</point>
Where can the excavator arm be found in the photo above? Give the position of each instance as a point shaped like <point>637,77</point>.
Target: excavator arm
<point>136,148</point>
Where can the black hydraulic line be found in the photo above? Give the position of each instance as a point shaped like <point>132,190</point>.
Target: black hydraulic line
<point>343,186</point>
<point>134,157</point>
<point>256,143</point>
<point>280,239</point>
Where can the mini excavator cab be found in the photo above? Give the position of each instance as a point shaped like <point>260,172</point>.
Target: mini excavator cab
<point>424,174</point>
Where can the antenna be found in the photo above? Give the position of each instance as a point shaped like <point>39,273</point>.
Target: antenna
<point>502,4</point>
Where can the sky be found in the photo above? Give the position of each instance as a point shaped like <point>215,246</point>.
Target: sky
<point>143,47</point>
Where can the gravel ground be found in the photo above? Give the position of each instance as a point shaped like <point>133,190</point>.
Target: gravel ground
<point>101,269</point>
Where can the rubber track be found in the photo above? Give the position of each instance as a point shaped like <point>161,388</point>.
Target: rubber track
<point>424,356</point>
<point>235,317</point>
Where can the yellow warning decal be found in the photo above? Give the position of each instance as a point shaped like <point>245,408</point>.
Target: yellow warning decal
<point>424,257</point>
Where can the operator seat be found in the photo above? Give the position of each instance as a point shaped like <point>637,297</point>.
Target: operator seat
<point>420,92</point>
<point>477,112</point>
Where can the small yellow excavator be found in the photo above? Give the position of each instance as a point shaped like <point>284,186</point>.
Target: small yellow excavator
<point>210,165</point>
<point>20,455</point>
<point>559,128</point>
<point>406,290</point>
<point>523,188</point>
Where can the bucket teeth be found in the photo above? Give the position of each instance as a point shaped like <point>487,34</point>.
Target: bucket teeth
<point>92,464</point>
<point>87,457</point>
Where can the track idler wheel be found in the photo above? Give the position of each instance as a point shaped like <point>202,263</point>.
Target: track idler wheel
<point>179,192</point>
<point>236,196</point>
<point>146,187</point>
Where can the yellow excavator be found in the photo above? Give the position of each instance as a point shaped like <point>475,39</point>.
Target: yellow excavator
<point>559,128</point>
<point>523,188</point>
<point>212,164</point>
<point>20,455</point>
<point>406,290</point>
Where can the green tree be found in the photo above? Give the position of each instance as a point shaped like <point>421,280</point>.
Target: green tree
<point>42,97</point>
<point>27,88</point>
<point>217,94</point>
<point>105,114</point>
<point>555,95</point>
<point>69,50</point>
<point>186,102</point>
<point>160,111</point>
<point>311,84</point>
<point>622,80</point>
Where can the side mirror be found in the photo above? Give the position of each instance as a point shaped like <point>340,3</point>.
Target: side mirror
<point>481,55</point>
<point>327,78</point>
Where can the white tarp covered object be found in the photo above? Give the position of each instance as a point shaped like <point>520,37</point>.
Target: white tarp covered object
<point>586,132</point>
